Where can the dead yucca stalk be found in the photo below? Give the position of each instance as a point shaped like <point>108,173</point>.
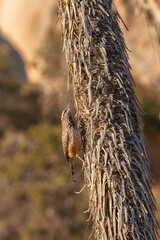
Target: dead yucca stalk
<point>116,169</point>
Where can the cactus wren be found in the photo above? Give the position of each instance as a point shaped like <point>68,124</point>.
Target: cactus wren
<point>71,138</point>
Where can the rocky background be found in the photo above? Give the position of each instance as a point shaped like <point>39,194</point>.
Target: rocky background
<point>37,194</point>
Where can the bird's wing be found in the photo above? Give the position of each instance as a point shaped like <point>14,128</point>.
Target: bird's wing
<point>65,145</point>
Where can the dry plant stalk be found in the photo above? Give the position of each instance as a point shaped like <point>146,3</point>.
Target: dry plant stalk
<point>116,168</point>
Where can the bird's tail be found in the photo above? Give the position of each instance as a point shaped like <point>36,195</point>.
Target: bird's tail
<point>72,170</point>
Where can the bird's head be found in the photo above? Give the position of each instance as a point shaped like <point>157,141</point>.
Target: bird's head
<point>66,112</point>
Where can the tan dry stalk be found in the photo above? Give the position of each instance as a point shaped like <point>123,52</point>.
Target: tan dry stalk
<point>116,168</point>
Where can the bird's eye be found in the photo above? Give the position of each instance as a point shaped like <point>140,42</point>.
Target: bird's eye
<point>65,110</point>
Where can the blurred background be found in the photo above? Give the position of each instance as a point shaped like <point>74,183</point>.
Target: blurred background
<point>37,195</point>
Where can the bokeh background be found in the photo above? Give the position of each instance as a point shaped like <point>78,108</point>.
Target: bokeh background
<point>37,197</point>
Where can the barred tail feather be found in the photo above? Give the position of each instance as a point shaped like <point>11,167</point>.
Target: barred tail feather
<point>72,170</point>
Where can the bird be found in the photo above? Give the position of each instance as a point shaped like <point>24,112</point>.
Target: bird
<point>71,138</point>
